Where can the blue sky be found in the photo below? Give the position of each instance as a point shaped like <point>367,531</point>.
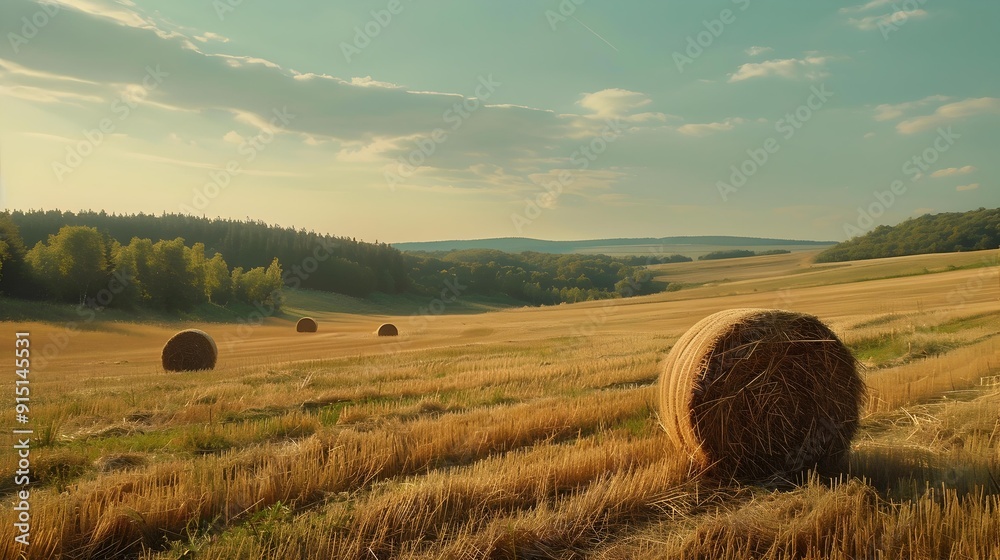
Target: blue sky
<point>408,120</point>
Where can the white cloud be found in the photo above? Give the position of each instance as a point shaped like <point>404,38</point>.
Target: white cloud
<point>367,81</point>
<point>379,148</point>
<point>233,137</point>
<point>888,111</point>
<point>953,171</point>
<point>703,129</point>
<point>757,51</point>
<point>47,95</point>
<point>869,135</point>
<point>363,118</point>
<point>209,36</point>
<point>870,23</point>
<point>951,112</point>
<point>970,187</point>
<point>613,102</point>
<point>791,68</point>
<point>865,7</point>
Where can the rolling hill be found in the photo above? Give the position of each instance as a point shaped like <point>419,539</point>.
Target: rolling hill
<point>689,246</point>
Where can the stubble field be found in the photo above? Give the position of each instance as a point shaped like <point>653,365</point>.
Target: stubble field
<point>522,433</point>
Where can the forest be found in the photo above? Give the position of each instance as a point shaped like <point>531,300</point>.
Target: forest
<point>740,253</point>
<point>948,232</point>
<point>537,278</point>
<point>175,262</point>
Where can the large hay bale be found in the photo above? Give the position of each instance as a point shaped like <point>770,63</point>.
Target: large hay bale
<point>189,350</point>
<point>306,324</point>
<point>387,329</point>
<point>760,394</point>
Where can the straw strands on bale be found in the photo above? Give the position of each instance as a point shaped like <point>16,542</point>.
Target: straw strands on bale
<point>760,394</point>
<point>387,329</point>
<point>189,350</point>
<point>306,324</point>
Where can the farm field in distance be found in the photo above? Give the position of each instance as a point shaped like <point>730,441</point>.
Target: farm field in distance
<point>512,433</point>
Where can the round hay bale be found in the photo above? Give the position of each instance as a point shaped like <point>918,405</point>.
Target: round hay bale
<point>387,329</point>
<point>189,350</point>
<point>306,324</point>
<point>759,394</point>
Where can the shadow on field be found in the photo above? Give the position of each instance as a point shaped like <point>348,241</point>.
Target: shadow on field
<point>907,472</point>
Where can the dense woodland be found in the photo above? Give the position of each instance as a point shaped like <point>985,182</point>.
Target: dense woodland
<point>537,278</point>
<point>80,265</point>
<point>347,266</point>
<point>976,230</point>
<point>740,253</point>
<point>175,262</point>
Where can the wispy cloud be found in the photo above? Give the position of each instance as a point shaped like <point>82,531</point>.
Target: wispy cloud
<point>865,7</point>
<point>970,187</point>
<point>704,129</point>
<point>790,68</point>
<point>757,51</point>
<point>953,171</point>
<point>888,111</point>
<point>949,113</point>
<point>870,23</point>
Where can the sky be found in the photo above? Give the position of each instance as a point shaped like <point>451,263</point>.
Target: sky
<point>418,120</point>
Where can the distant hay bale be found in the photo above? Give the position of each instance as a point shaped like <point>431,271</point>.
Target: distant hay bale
<point>306,324</point>
<point>189,350</point>
<point>387,329</point>
<point>759,394</point>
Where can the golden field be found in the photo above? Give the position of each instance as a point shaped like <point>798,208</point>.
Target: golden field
<point>517,433</point>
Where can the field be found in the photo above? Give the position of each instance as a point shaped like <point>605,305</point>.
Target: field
<point>513,433</point>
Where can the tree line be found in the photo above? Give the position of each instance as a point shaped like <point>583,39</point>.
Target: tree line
<point>80,265</point>
<point>174,262</point>
<point>536,278</point>
<point>350,267</point>
<point>947,232</point>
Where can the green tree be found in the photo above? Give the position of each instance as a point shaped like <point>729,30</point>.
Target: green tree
<point>218,282</point>
<point>171,283</point>
<point>72,264</point>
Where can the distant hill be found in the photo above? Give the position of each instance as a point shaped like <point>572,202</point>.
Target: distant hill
<point>690,246</point>
<point>949,232</point>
